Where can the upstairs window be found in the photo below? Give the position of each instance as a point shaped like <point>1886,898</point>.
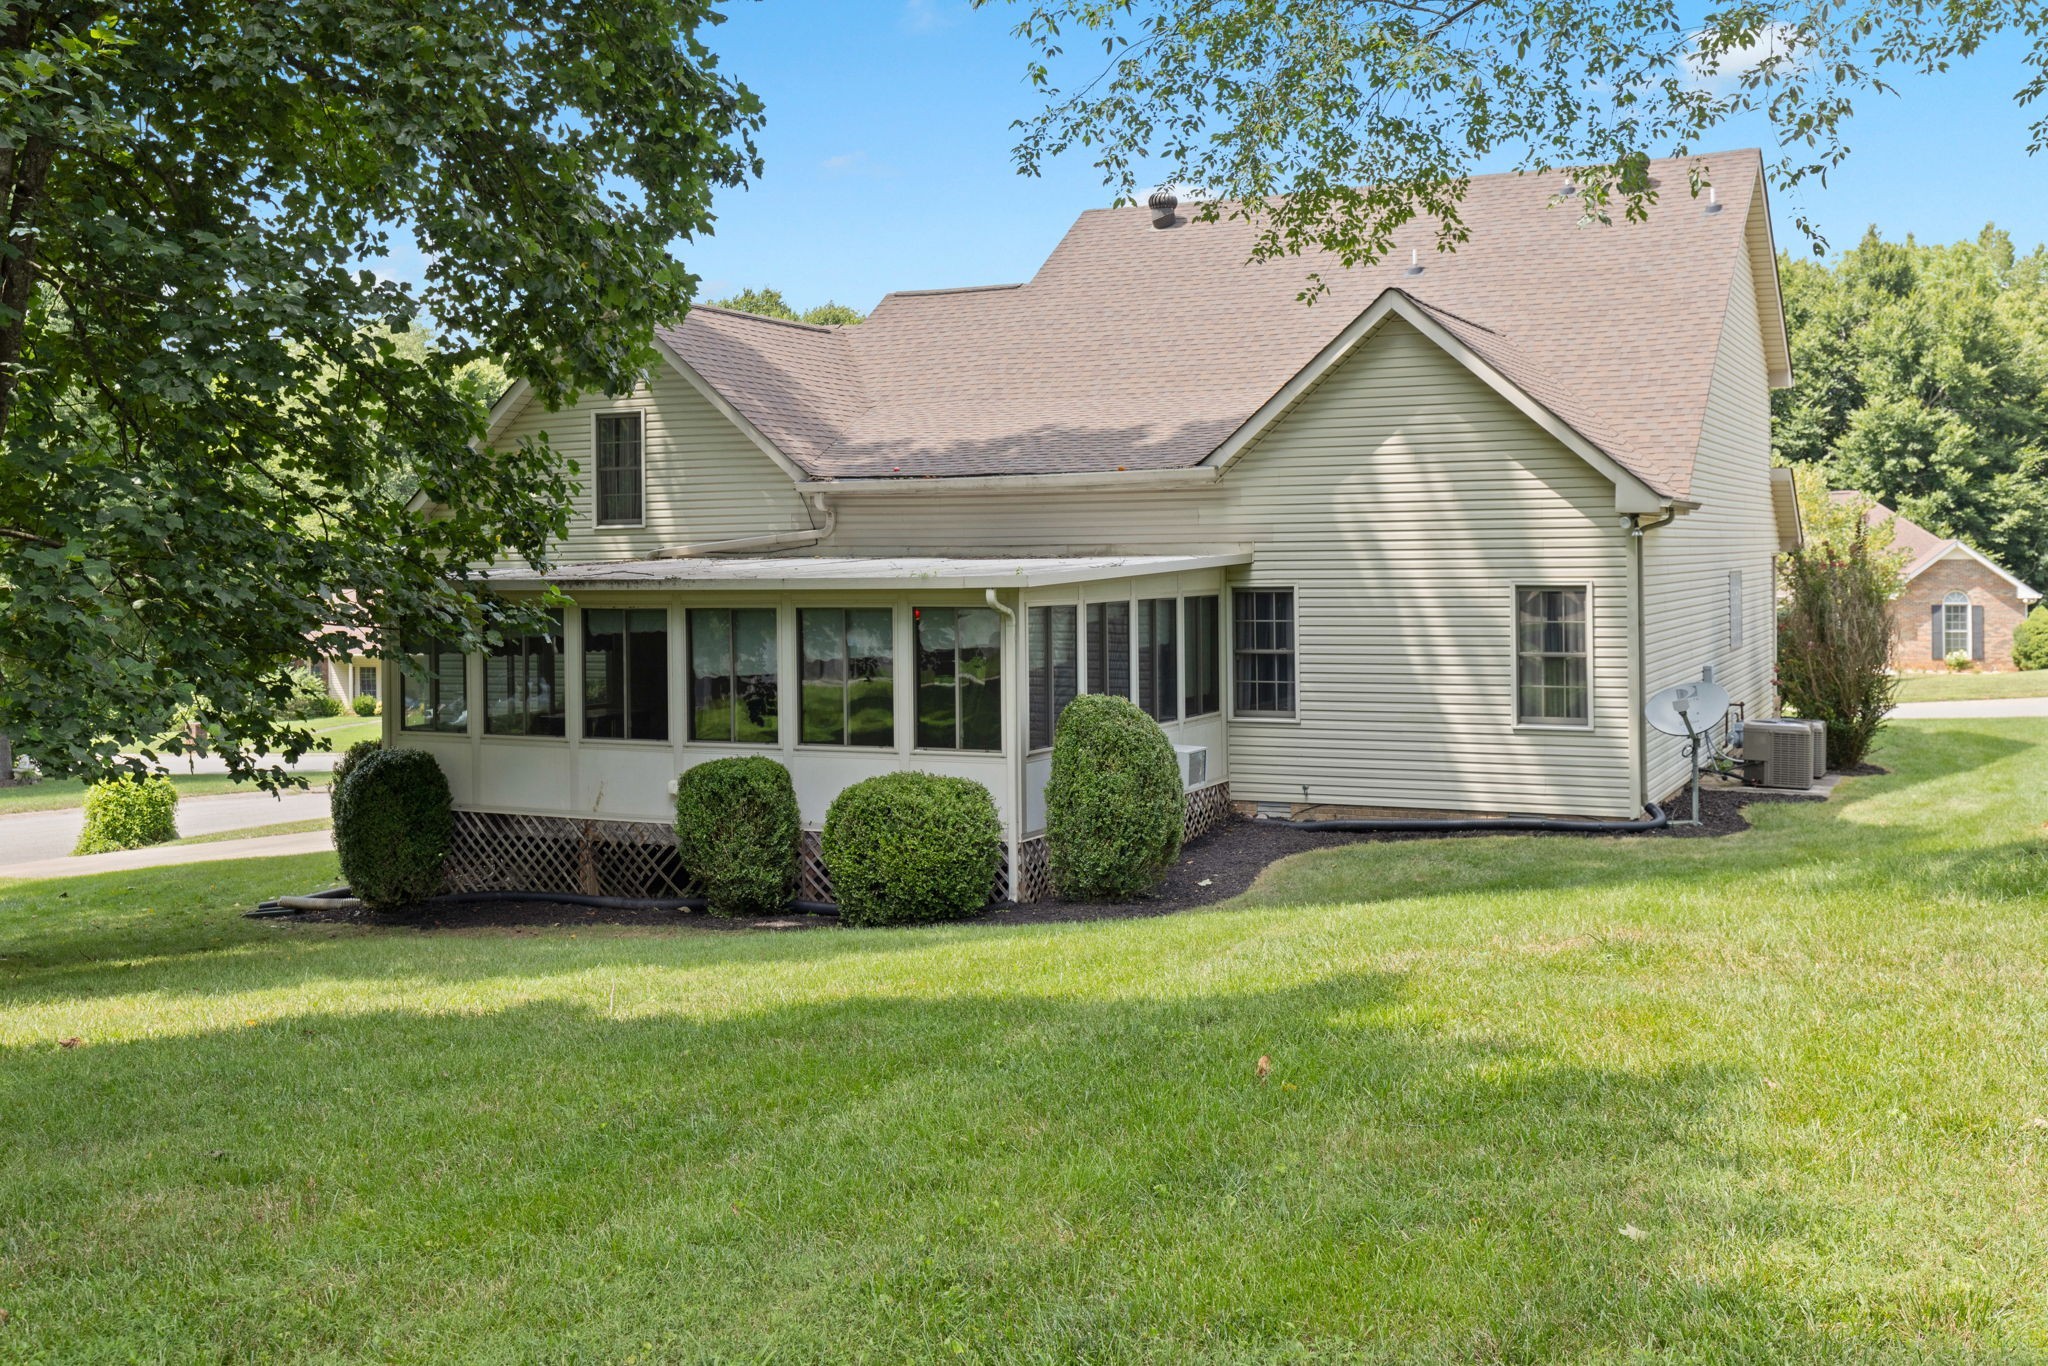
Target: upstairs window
<point>1109,649</point>
<point>959,678</point>
<point>621,486</point>
<point>733,675</point>
<point>1262,651</point>
<point>1055,669</point>
<point>1203,651</point>
<point>1552,678</point>
<point>526,684</point>
<point>847,676</point>
<point>1159,658</point>
<point>625,673</point>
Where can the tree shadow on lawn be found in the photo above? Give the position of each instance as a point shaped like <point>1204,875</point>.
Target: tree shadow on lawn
<point>894,1177</point>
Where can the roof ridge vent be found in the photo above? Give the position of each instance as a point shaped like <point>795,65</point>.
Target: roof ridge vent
<point>1162,203</point>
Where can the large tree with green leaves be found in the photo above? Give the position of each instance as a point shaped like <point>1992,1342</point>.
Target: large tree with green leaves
<point>1921,377</point>
<point>204,387</point>
<point>1331,123</point>
<point>769,303</point>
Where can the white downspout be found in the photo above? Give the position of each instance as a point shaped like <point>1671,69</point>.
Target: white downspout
<point>1013,744</point>
<point>774,540</point>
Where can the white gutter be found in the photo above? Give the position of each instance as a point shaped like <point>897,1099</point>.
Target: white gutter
<point>1200,476</point>
<point>774,540</point>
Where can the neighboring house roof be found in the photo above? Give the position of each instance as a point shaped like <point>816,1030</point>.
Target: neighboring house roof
<point>1922,548</point>
<point>1138,348</point>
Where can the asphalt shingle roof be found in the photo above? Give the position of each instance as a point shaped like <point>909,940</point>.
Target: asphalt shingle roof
<point>1135,347</point>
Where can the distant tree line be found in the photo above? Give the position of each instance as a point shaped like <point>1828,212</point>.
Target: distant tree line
<point>1920,376</point>
<point>769,303</point>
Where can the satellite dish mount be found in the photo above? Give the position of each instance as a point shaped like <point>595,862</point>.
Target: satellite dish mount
<point>1692,710</point>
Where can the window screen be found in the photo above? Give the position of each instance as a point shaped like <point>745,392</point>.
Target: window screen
<point>1262,651</point>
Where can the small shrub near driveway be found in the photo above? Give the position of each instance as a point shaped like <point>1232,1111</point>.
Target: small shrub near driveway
<point>365,705</point>
<point>736,832</point>
<point>1113,805</point>
<point>2030,641</point>
<point>128,813</point>
<point>910,847</point>
<point>393,817</point>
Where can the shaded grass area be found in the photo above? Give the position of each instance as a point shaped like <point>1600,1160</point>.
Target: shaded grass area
<point>1968,687</point>
<point>58,793</point>
<point>1777,1096</point>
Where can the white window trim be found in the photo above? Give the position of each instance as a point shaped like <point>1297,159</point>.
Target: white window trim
<point>1962,600</point>
<point>1590,724</point>
<point>639,412</point>
<point>1229,614</point>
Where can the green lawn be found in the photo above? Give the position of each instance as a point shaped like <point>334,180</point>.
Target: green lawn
<point>1781,1097</point>
<point>62,792</point>
<point>1970,686</point>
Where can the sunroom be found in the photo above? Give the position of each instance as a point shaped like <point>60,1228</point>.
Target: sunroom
<point>562,748</point>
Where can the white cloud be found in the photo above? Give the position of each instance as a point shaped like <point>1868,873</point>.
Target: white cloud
<point>857,163</point>
<point>929,16</point>
<point>1728,68</point>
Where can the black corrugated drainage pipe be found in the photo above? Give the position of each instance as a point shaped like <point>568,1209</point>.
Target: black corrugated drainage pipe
<point>1654,818</point>
<point>338,899</point>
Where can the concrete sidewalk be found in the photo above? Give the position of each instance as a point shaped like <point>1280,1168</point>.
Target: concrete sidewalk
<point>1980,708</point>
<point>166,855</point>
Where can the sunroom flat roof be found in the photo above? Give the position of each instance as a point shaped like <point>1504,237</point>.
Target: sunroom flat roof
<point>864,572</point>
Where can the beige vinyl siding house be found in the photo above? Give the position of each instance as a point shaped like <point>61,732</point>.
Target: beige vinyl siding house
<point>1423,548</point>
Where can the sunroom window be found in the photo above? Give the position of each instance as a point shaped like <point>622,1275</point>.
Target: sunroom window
<point>526,684</point>
<point>1055,672</point>
<point>959,678</point>
<point>433,687</point>
<point>625,673</point>
<point>1158,658</point>
<point>1109,649</point>
<point>847,673</point>
<point>733,675</point>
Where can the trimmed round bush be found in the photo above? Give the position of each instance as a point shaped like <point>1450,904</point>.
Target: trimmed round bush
<point>350,757</point>
<point>393,817</point>
<point>1113,805</point>
<point>365,705</point>
<point>736,832</point>
<point>2030,640</point>
<point>909,847</point>
<point>128,813</point>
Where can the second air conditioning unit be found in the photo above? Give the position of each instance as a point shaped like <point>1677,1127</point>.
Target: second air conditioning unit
<point>1779,752</point>
<point>1194,765</point>
<point>1820,749</point>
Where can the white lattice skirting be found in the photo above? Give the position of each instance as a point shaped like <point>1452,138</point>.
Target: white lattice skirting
<point>493,852</point>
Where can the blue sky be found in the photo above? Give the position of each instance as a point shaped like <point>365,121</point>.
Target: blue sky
<point>888,156</point>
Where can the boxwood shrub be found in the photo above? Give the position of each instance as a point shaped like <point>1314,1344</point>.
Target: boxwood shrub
<point>908,847</point>
<point>393,817</point>
<point>736,831</point>
<point>350,757</point>
<point>2030,641</point>
<point>128,813</point>
<point>1113,805</point>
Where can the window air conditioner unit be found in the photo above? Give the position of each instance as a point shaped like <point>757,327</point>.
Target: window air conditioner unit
<point>1194,765</point>
<point>1782,752</point>
<point>1820,749</point>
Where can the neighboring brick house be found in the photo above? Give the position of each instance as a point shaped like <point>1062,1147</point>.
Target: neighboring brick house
<point>1954,598</point>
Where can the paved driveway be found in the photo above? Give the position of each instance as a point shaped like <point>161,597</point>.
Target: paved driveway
<point>1982,707</point>
<point>33,836</point>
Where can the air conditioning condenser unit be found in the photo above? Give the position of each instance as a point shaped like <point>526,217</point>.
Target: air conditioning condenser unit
<point>1780,753</point>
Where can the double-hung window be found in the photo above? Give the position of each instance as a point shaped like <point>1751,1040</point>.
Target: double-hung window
<point>1109,649</point>
<point>621,470</point>
<point>847,672</point>
<point>733,675</point>
<point>1158,658</point>
<point>1552,675</point>
<point>526,684</point>
<point>1202,650</point>
<point>1055,671</point>
<point>625,673</point>
<point>1955,625</point>
<point>959,678</point>
<point>433,687</point>
<point>1262,651</point>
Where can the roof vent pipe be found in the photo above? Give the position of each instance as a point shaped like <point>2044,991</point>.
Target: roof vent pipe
<point>1713,200</point>
<point>1162,203</point>
<point>1414,261</point>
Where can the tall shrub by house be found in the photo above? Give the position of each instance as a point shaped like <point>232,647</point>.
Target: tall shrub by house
<point>2030,640</point>
<point>393,819</point>
<point>1835,632</point>
<point>128,813</point>
<point>905,847</point>
<point>1114,812</point>
<point>737,827</point>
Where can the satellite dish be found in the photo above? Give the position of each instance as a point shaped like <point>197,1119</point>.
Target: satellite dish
<point>1688,709</point>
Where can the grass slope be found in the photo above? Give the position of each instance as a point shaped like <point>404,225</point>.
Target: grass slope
<point>1782,1096</point>
<point>1970,687</point>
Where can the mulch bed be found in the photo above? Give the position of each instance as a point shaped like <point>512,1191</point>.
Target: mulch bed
<point>1214,868</point>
